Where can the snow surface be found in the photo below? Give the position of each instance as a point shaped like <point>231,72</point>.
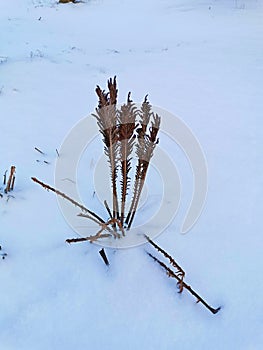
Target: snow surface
<point>203,61</point>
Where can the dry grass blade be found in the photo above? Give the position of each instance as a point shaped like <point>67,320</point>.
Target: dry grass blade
<point>171,273</point>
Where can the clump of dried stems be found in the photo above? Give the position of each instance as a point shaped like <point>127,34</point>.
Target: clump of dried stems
<point>128,133</point>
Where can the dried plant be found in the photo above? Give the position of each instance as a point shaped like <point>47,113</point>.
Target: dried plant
<point>89,215</point>
<point>118,129</point>
<point>61,194</point>
<point>144,151</point>
<point>180,272</point>
<point>127,125</point>
<point>179,275</point>
<point>11,180</point>
<point>124,138</point>
<point>107,122</point>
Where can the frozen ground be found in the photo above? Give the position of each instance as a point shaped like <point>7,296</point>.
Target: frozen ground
<point>203,61</point>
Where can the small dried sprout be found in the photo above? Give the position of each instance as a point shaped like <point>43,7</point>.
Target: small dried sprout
<point>11,180</point>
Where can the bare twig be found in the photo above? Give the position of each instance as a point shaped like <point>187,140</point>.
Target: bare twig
<point>104,256</point>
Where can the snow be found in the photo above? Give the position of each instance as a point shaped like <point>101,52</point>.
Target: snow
<point>201,60</point>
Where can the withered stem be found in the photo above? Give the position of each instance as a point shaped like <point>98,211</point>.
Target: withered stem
<point>186,286</point>
<point>49,188</point>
